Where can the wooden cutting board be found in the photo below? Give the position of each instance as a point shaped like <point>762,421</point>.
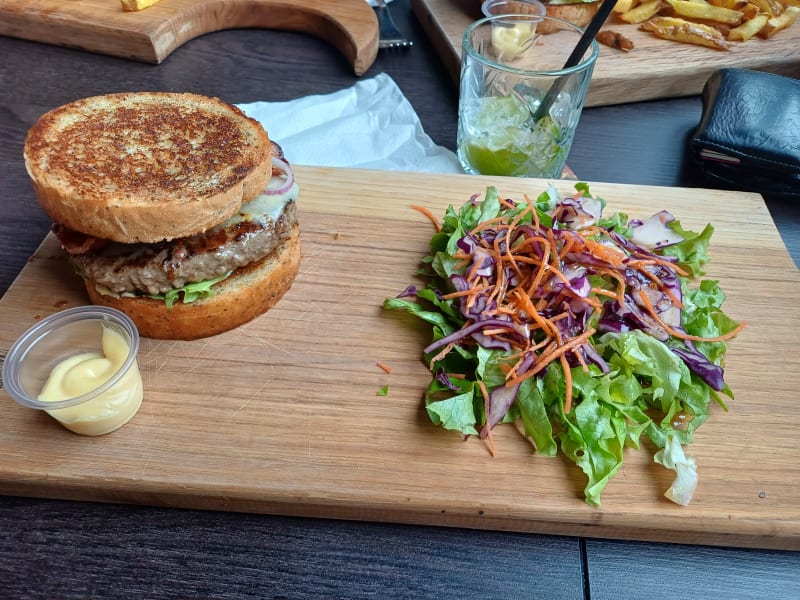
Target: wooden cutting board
<point>151,34</point>
<point>655,68</point>
<point>282,415</point>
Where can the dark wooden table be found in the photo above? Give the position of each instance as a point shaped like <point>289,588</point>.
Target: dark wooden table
<point>59,549</point>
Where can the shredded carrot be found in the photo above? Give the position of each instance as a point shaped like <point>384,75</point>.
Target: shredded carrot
<point>665,263</point>
<point>619,278</point>
<point>604,292</point>
<point>441,355</point>
<point>567,247</point>
<point>610,255</point>
<point>547,357</point>
<point>534,212</point>
<point>523,245</point>
<point>485,393</point>
<point>685,336</point>
<point>467,292</point>
<point>497,331</point>
<point>488,223</point>
<point>579,357</point>
<point>473,271</point>
<point>660,285</point>
<point>553,249</point>
<point>524,303</point>
<point>506,203</point>
<point>530,286</point>
<point>384,366</point>
<point>427,212</point>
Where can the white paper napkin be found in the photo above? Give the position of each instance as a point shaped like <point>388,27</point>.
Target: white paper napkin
<point>370,125</point>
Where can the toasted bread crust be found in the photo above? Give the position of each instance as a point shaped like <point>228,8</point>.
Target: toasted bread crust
<point>146,166</point>
<point>580,14</point>
<point>248,293</point>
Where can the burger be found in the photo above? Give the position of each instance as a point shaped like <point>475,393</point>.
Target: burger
<point>579,12</point>
<point>174,208</point>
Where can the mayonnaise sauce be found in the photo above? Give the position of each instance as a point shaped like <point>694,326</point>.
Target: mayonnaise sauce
<point>85,372</point>
<point>509,42</point>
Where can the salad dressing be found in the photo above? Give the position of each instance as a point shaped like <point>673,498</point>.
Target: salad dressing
<point>83,373</point>
<point>681,421</point>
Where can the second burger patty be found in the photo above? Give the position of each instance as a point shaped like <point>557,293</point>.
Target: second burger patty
<point>254,233</point>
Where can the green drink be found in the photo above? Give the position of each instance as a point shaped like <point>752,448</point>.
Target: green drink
<point>518,106</point>
<point>499,136</point>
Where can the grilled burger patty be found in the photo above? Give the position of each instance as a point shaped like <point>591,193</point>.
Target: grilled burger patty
<point>252,234</point>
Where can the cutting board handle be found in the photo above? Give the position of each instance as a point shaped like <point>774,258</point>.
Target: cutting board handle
<point>152,34</point>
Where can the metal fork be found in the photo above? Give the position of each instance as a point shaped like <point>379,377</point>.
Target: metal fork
<point>389,35</point>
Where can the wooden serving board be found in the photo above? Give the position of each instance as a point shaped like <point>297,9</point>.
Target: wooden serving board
<point>655,68</point>
<point>282,415</point>
<point>151,34</point>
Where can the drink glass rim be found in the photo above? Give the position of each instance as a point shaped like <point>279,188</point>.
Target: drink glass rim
<point>468,48</point>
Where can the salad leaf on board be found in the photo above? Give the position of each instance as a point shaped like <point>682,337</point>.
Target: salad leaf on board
<point>591,331</point>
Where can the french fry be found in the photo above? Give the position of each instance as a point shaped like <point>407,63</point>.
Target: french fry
<point>775,24</point>
<point>642,12</point>
<point>712,23</point>
<point>687,32</point>
<point>625,5</point>
<point>706,12</point>
<point>748,29</point>
<point>134,5</point>
<point>777,7</point>
<point>750,11</point>
<point>769,7</point>
<point>732,4</point>
<point>614,40</point>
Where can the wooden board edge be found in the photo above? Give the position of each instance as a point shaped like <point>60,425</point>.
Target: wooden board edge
<point>356,39</point>
<point>139,46</point>
<point>756,534</point>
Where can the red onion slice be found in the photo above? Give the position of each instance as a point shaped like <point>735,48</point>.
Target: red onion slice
<point>280,184</point>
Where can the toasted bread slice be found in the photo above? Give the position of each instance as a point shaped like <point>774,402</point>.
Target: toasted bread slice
<point>579,13</point>
<point>144,167</point>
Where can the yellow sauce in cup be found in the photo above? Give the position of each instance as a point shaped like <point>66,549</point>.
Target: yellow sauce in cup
<point>509,41</point>
<point>83,373</point>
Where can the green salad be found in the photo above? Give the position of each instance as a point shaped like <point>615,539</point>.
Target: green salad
<point>590,330</point>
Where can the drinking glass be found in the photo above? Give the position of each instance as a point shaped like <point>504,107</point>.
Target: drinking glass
<point>518,105</point>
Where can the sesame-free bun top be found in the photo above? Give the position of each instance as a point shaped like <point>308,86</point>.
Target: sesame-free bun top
<point>146,166</point>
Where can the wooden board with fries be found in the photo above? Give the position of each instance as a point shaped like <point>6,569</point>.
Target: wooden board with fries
<point>150,30</point>
<point>712,23</point>
<point>657,48</point>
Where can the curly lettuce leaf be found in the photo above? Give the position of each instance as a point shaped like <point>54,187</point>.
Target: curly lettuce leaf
<point>692,252</point>
<point>191,292</point>
<point>685,482</point>
<point>460,411</point>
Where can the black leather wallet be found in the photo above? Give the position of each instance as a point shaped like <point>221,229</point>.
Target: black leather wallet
<point>749,134</point>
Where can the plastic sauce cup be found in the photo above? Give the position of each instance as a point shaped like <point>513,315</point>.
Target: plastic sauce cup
<point>79,334</point>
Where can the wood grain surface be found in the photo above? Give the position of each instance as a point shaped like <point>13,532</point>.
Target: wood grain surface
<point>153,33</point>
<point>281,416</point>
<point>655,68</point>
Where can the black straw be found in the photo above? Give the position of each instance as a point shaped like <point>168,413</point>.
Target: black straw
<point>577,53</point>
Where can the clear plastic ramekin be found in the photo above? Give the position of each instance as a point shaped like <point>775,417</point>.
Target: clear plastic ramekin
<point>534,8</point>
<point>69,333</point>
